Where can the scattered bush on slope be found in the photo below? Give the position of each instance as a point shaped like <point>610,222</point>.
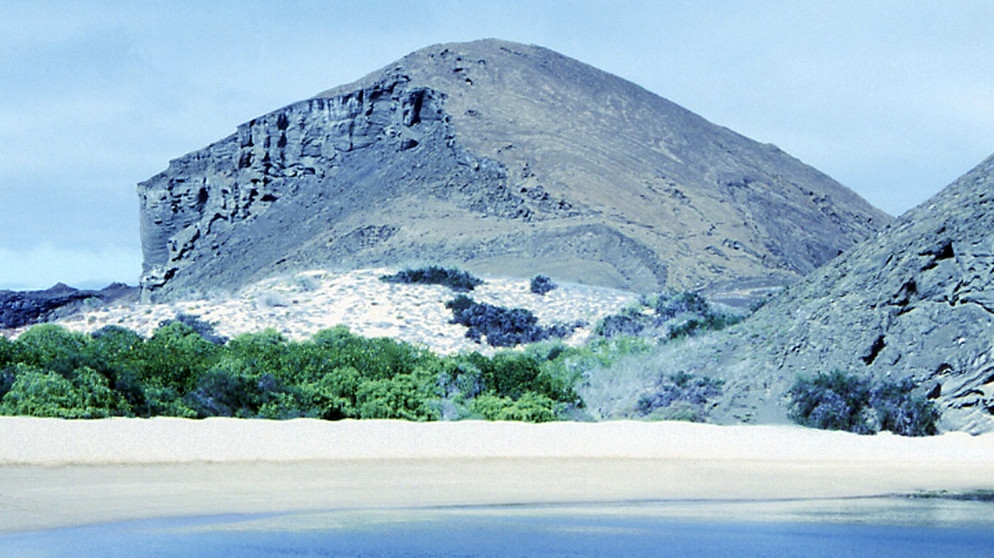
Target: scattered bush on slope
<point>680,396</point>
<point>843,401</point>
<point>455,279</point>
<point>668,316</point>
<point>502,327</point>
<point>541,284</point>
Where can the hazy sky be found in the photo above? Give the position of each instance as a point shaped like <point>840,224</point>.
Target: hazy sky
<point>893,99</point>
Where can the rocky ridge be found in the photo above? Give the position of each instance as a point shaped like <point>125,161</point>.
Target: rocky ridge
<point>24,308</point>
<point>915,301</point>
<point>501,158</point>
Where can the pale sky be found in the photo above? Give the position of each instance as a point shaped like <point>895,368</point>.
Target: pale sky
<point>893,99</point>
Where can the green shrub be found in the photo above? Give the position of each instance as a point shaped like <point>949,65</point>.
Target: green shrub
<point>175,356</point>
<point>709,322</point>
<point>53,347</point>
<point>842,401</point>
<point>8,352</point>
<point>404,396</point>
<point>530,407</point>
<point>335,375</point>
<point>204,329</point>
<point>44,393</point>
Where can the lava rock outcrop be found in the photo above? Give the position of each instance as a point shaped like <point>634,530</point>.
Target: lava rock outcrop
<point>24,308</point>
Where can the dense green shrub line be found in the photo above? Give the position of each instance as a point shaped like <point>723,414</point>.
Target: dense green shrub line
<point>180,371</point>
<point>842,401</point>
<point>455,279</point>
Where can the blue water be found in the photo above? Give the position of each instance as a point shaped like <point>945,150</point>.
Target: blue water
<point>883,527</point>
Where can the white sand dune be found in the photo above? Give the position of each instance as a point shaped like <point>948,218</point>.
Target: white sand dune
<point>300,305</point>
<point>57,473</point>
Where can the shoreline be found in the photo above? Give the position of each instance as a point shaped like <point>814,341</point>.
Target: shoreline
<point>57,473</point>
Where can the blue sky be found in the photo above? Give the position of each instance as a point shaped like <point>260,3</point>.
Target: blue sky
<point>893,99</point>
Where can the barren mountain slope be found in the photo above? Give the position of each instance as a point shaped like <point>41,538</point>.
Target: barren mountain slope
<point>916,301</point>
<point>505,159</point>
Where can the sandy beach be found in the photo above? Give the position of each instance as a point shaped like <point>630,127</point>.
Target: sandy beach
<point>56,473</point>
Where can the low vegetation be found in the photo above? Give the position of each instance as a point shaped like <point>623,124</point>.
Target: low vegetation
<point>844,401</point>
<point>455,279</point>
<point>500,326</point>
<point>541,284</point>
<point>668,316</point>
<point>680,396</point>
<point>184,370</point>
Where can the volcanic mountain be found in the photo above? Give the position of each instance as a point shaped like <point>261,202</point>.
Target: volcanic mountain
<point>503,159</point>
<point>916,301</point>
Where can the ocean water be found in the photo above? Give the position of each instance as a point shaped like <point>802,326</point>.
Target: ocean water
<point>884,527</point>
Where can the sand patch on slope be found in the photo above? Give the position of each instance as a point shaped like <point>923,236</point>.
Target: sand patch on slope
<point>303,304</point>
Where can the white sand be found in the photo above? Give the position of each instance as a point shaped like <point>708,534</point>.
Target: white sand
<point>170,440</point>
<point>300,305</point>
<point>57,473</point>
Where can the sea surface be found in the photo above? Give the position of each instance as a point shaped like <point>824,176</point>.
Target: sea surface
<point>884,526</point>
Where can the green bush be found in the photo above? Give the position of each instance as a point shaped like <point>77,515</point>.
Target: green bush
<point>708,322</point>
<point>334,375</point>
<point>843,401</point>
<point>175,356</point>
<point>54,348</point>
<point>205,329</point>
<point>530,407</point>
<point>41,393</point>
<point>404,396</point>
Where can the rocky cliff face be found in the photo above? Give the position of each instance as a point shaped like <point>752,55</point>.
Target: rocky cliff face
<point>916,301</point>
<point>502,158</point>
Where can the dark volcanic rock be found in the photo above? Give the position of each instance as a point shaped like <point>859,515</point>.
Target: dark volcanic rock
<point>916,301</point>
<point>21,308</point>
<point>501,158</point>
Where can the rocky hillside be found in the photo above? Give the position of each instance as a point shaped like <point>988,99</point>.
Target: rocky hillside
<point>916,301</point>
<point>501,158</point>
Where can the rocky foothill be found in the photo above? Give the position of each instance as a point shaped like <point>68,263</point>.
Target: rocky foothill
<point>915,301</point>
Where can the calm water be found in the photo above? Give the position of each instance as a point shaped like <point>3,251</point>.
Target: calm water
<point>836,528</point>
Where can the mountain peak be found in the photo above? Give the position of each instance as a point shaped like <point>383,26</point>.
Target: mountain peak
<point>503,158</point>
